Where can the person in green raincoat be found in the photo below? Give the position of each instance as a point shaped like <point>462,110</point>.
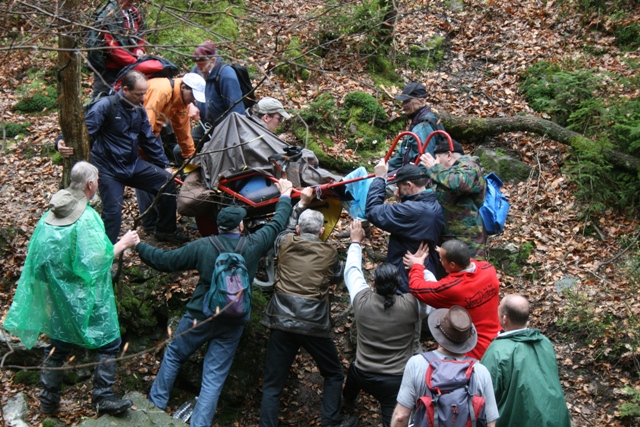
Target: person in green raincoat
<point>65,291</point>
<point>522,364</point>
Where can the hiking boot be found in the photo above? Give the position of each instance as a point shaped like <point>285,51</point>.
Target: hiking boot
<point>48,408</point>
<point>351,422</point>
<point>112,405</point>
<point>175,237</point>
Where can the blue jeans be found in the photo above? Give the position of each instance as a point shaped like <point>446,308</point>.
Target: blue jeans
<point>222,340</point>
<point>145,177</point>
<point>281,351</point>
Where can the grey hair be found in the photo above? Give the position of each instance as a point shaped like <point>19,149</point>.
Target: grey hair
<point>81,173</point>
<point>311,222</point>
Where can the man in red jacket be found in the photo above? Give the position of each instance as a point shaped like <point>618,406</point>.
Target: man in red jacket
<point>470,284</point>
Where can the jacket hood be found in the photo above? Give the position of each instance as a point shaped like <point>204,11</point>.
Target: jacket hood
<point>527,335</point>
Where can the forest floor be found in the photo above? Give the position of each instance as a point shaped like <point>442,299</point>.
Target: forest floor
<point>490,44</point>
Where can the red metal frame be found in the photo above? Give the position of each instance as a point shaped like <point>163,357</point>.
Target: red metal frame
<point>223,185</point>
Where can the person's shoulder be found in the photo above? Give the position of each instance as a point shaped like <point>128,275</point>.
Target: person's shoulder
<point>227,71</point>
<point>162,84</point>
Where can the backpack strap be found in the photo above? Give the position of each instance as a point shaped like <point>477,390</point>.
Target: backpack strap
<point>215,241</point>
<point>216,81</point>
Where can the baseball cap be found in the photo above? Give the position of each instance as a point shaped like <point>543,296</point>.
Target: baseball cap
<point>197,85</point>
<point>412,90</point>
<point>270,105</point>
<point>230,217</point>
<point>443,147</point>
<point>409,172</point>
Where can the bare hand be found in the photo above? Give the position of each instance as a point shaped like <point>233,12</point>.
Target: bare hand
<point>427,160</point>
<point>64,150</point>
<point>416,258</point>
<point>357,232</point>
<point>306,197</point>
<point>381,169</point>
<point>285,186</point>
<point>194,113</point>
<point>130,239</point>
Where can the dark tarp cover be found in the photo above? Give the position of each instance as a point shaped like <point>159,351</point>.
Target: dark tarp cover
<point>243,142</point>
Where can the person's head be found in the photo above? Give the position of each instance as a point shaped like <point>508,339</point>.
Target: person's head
<point>386,279</point>
<point>205,56</point>
<point>192,88</point>
<point>454,255</point>
<point>134,87</point>
<point>445,156</point>
<point>230,219</point>
<point>513,312</point>
<point>125,4</point>
<point>310,222</point>
<point>410,179</point>
<point>271,111</point>
<point>84,178</point>
<point>413,98</point>
<point>453,329</point>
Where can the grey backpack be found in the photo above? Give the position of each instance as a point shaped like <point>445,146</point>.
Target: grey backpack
<point>452,398</point>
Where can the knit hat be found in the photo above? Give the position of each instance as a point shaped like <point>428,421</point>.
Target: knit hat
<point>444,147</point>
<point>205,51</point>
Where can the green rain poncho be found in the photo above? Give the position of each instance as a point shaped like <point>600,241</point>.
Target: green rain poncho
<point>65,289</point>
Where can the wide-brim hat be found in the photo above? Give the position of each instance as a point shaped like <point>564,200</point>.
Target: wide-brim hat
<point>453,329</point>
<point>65,207</point>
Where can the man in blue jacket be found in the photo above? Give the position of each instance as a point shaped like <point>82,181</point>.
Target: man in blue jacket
<point>415,219</point>
<point>422,123</point>
<point>223,94</point>
<point>115,154</point>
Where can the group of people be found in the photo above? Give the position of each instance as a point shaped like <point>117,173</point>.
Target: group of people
<point>434,268</point>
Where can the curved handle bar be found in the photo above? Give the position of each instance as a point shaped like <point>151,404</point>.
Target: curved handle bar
<point>436,132</point>
<point>395,142</point>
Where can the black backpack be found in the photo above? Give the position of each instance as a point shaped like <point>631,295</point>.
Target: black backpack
<point>248,95</point>
<point>94,42</point>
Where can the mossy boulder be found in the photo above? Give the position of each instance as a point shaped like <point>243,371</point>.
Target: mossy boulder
<point>505,166</point>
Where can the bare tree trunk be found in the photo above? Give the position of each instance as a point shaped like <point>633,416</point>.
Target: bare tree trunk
<point>471,128</point>
<point>70,113</point>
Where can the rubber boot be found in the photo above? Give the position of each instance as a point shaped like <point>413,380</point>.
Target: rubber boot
<point>104,399</point>
<point>51,386</point>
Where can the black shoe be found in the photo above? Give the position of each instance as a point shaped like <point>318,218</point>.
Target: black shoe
<point>351,422</point>
<point>48,408</point>
<point>175,237</point>
<point>112,405</point>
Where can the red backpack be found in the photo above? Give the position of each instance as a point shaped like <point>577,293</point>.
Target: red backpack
<point>452,398</point>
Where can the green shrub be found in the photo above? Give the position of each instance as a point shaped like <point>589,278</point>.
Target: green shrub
<point>38,102</point>
<point>294,70</point>
<point>322,115</point>
<point>628,37</point>
<point>11,130</point>
<point>427,57</point>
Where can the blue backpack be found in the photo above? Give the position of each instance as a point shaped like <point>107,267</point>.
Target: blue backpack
<point>495,208</point>
<point>230,292</point>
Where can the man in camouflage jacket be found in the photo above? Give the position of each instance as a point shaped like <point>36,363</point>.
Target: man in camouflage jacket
<point>461,188</point>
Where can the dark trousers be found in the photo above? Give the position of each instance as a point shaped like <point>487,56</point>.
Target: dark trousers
<point>384,388</point>
<point>281,351</point>
<point>145,177</point>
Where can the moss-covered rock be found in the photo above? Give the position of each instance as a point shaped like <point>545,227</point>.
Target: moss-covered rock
<point>504,165</point>
<point>428,56</point>
<point>31,378</point>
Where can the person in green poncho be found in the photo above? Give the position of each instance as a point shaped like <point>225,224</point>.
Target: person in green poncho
<point>65,291</point>
<point>522,364</point>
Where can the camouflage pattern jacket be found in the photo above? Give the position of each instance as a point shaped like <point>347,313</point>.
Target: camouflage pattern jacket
<point>460,191</point>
